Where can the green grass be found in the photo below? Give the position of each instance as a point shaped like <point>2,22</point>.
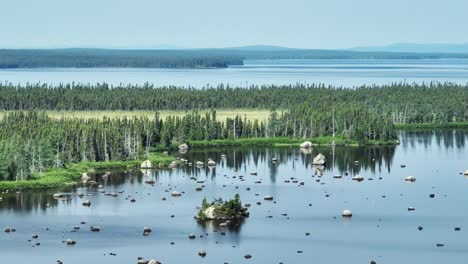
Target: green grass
<point>69,174</point>
<point>433,125</point>
<point>283,141</point>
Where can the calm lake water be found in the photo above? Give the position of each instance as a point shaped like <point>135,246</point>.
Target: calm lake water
<point>346,73</point>
<point>381,229</point>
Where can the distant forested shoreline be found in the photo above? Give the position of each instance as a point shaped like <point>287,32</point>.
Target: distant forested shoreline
<point>32,143</point>
<point>186,58</point>
<point>402,103</point>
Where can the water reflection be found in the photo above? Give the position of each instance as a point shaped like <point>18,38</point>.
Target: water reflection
<point>235,161</point>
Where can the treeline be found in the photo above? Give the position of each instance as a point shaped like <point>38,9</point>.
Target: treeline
<point>403,103</point>
<point>91,58</point>
<point>186,58</point>
<point>31,142</point>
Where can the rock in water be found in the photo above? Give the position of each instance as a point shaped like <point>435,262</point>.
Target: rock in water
<point>146,164</point>
<point>465,173</point>
<point>183,147</point>
<point>410,179</point>
<point>347,213</point>
<point>211,162</point>
<point>319,159</point>
<point>176,194</point>
<point>358,178</point>
<point>70,242</point>
<point>306,144</point>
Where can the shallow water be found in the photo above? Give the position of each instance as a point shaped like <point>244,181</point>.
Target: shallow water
<point>381,229</point>
<point>345,73</point>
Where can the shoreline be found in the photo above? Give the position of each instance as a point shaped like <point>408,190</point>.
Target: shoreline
<point>70,174</point>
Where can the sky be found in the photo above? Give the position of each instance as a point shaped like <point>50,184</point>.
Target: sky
<point>324,24</point>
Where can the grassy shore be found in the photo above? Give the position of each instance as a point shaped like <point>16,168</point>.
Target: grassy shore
<point>450,125</point>
<point>67,176</point>
<point>283,141</point>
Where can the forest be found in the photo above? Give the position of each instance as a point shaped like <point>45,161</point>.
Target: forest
<point>184,58</point>
<point>91,58</point>
<point>31,142</point>
<point>436,103</point>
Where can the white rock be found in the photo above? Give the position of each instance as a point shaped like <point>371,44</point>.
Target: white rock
<point>211,162</point>
<point>199,163</point>
<point>347,213</point>
<point>85,177</point>
<point>146,164</point>
<point>465,173</point>
<point>319,159</point>
<point>358,178</point>
<point>306,144</point>
<point>183,146</point>
<point>210,212</point>
<point>176,194</point>
<point>58,195</point>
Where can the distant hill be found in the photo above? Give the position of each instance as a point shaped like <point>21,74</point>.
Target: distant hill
<point>260,48</point>
<point>417,48</point>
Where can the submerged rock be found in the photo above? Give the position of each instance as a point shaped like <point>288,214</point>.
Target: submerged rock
<point>87,203</point>
<point>319,159</point>
<point>268,198</point>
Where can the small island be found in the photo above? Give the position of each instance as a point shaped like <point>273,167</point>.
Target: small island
<point>222,210</point>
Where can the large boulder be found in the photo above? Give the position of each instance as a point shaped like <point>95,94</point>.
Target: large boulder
<point>85,177</point>
<point>146,164</point>
<point>306,144</point>
<point>211,162</point>
<point>319,159</point>
<point>183,148</point>
<point>210,212</point>
<point>347,213</point>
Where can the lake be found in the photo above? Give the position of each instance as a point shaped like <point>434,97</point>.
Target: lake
<point>381,228</point>
<point>346,73</point>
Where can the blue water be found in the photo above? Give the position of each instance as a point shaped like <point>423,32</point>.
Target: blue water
<point>347,73</point>
<point>381,229</point>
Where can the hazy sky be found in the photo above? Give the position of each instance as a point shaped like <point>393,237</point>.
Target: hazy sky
<point>220,23</point>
